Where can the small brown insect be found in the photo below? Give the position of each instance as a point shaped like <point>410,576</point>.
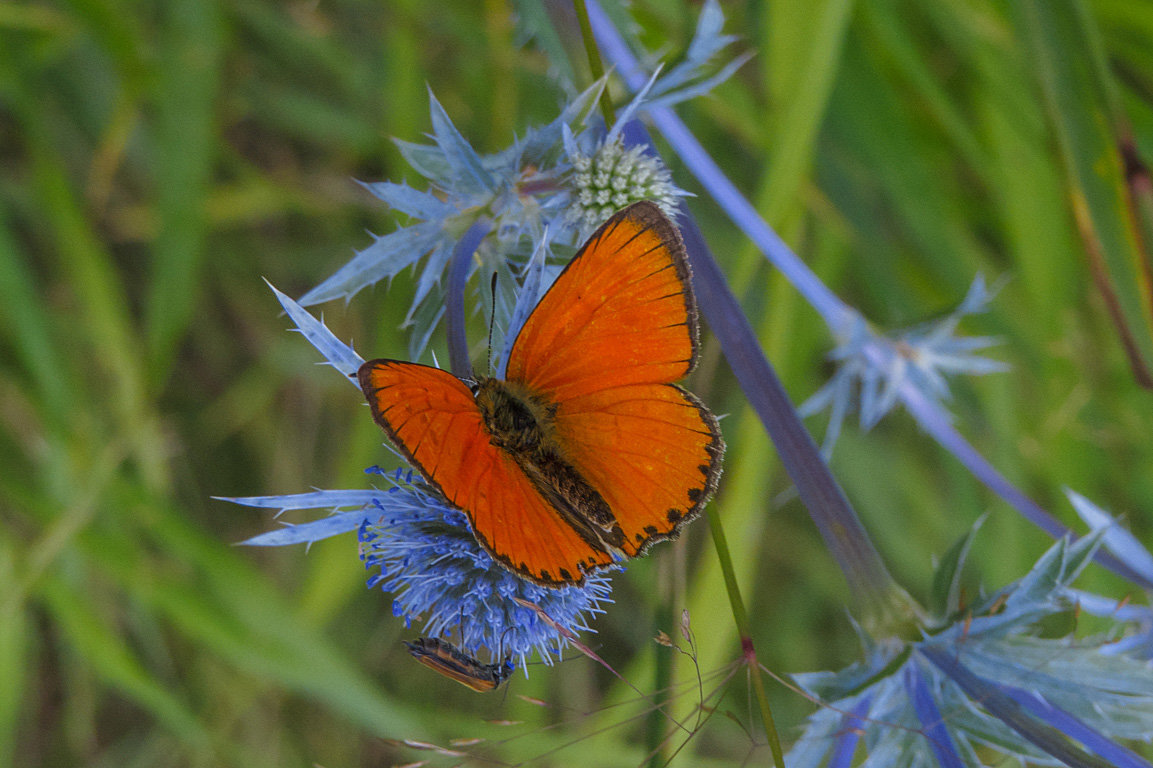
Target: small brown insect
<point>445,658</point>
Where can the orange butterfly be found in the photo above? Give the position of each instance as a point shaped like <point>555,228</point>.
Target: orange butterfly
<point>455,664</point>
<point>586,453</point>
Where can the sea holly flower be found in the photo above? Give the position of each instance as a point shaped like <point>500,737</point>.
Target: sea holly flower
<point>531,191</point>
<point>518,189</point>
<point>525,191</point>
<point>985,680</point>
<point>422,551</point>
<point>880,366</point>
<point>427,557</point>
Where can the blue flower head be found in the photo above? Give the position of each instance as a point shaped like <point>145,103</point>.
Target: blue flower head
<point>546,190</point>
<point>427,557</point>
<point>422,551</point>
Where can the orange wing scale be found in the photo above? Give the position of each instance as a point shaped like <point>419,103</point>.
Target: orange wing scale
<point>431,416</point>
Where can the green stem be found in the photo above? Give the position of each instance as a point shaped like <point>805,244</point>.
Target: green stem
<point>595,66</point>
<point>746,634</point>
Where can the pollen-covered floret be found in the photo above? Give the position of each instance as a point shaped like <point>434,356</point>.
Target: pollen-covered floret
<point>611,177</point>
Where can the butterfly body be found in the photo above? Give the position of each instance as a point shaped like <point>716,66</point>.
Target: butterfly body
<point>455,664</point>
<point>521,423</point>
<point>586,453</point>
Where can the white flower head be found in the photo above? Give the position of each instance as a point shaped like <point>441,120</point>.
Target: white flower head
<point>610,177</point>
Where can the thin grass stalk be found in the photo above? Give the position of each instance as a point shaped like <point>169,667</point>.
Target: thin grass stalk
<point>596,66</point>
<point>745,632</point>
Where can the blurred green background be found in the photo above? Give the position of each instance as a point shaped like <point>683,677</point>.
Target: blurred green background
<point>160,158</point>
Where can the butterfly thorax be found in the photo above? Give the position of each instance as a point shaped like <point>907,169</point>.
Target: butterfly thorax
<point>522,424</point>
<point>517,419</point>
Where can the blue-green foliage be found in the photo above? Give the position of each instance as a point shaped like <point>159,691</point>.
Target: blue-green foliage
<point>986,683</point>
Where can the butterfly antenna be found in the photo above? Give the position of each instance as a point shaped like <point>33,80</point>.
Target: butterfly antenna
<point>500,652</point>
<point>492,317</point>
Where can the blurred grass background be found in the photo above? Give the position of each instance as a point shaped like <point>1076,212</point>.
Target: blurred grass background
<point>160,158</point>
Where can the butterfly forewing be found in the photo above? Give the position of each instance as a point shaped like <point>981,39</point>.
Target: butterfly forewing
<point>431,416</point>
<point>620,313</point>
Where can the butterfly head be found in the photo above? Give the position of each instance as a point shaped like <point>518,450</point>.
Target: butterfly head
<point>517,419</point>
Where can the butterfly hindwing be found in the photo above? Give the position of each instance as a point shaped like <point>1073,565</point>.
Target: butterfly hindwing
<point>652,450</point>
<point>432,417</point>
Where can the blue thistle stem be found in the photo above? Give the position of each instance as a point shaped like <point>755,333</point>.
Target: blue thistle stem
<point>933,421</point>
<point>940,741</point>
<point>830,510</point>
<point>849,734</point>
<point>462,254</point>
<point>836,313</point>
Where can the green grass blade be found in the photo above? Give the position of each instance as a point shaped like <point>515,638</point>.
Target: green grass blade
<point>105,654</point>
<point>14,667</point>
<point>1062,40</point>
<point>185,147</point>
<point>797,127</point>
<point>27,325</point>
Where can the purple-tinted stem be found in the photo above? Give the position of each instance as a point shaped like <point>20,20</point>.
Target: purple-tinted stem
<point>998,703</point>
<point>929,715</point>
<point>838,316</point>
<point>829,508</point>
<point>462,253</point>
<point>1078,729</point>
<point>931,419</point>
<point>852,726</point>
